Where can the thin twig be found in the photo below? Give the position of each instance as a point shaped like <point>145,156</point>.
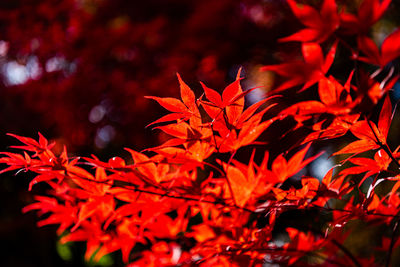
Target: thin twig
<point>165,194</point>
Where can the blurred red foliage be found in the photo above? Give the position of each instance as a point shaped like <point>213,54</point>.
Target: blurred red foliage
<point>80,69</point>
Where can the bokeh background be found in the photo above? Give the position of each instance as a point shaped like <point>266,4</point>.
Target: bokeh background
<point>78,70</point>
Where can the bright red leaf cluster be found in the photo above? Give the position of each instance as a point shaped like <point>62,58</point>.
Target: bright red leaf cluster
<point>196,200</point>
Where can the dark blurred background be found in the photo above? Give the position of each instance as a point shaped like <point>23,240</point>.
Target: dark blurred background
<point>77,71</point>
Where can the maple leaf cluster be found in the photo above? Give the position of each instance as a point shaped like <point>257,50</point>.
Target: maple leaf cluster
<point>196,200</point>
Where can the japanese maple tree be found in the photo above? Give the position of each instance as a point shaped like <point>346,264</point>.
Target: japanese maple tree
<point>219,191</point>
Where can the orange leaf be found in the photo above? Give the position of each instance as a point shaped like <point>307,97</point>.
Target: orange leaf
<point>358,147</point>
<point>240,184</point>
<point>169,103</point>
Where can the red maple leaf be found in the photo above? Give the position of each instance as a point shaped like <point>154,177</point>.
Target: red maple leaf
<point>370,136</point>
<point>182,110</point>
<point>389,50</point>
<point>320,25</point>
<point>369,12</point>
<point>308,71</point>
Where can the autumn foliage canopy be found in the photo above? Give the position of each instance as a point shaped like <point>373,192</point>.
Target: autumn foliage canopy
<point>219,192</point>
